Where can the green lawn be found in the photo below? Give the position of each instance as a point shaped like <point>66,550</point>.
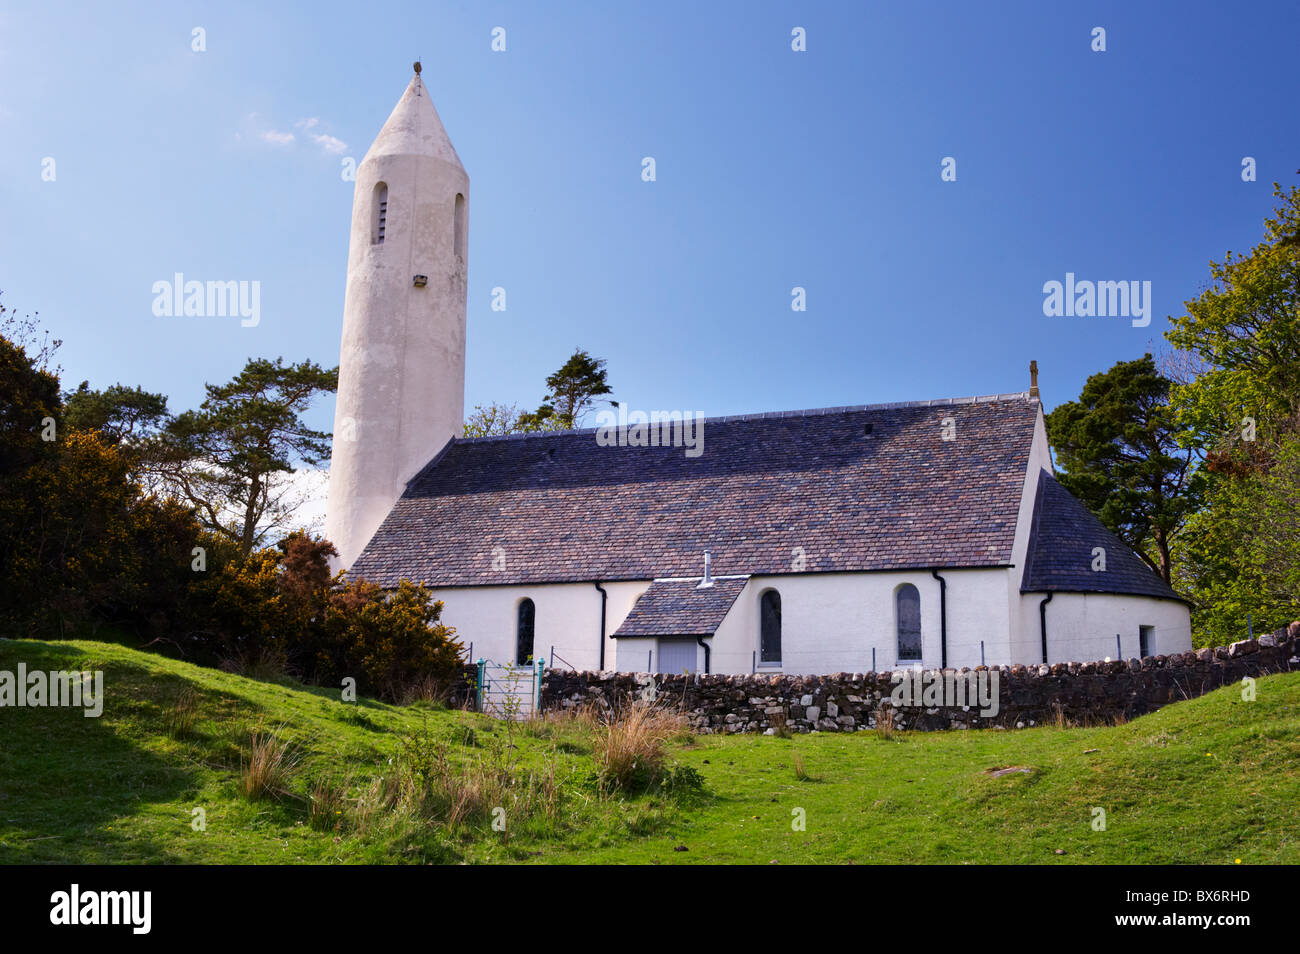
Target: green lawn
<point>1212,780</point>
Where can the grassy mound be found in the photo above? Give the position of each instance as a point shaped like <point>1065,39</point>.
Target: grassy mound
<point>283,773</point>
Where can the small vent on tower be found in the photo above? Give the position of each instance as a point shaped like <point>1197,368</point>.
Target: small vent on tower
<point>380,220</point>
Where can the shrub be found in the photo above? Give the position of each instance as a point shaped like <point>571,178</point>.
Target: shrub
<point>389,642</point>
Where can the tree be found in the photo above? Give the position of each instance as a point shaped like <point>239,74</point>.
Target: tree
<point>571,390</point>
<point>1239,557</point>
<point>124,415</point>
<point>131,419</point>
<point>79,545</point>
<point>24,334</point>
<point>544,418</point>
<point>1118,447</point>
<point>228,459</point>
<point>495,420</point>
<point>1242,410</point>
<point>29,408</point>
<point>1245,328</point>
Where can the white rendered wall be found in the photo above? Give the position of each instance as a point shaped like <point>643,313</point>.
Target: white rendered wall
<point>567,617</point>
<point>1081,627</point>
<point>830,622</point>
<point>1040,458</point>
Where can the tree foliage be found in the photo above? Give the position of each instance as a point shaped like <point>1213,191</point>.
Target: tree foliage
<point>570,393</point>
<point>129,418</point>
<point>1240,556</point>
<point>1243,411</point>
<point>498,420</point>
<point>227,458</point>
<point>82,546</point>
<point>1245,328</point>
<point>1118,447</point>
<point>572,389</point>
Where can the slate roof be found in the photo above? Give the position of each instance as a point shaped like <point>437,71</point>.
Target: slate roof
<point>562,508</point>
<point>1063,535</point>
<point>681,608</point>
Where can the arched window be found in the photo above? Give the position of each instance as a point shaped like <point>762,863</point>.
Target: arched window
<point>909,622</point>
<point>459,245</point>
<point>524,633</point>
<point>769,637</point>
<point>379,215</point>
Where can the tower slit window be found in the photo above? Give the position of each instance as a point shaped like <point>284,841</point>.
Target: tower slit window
<point>380,221</point>
<point>460,226</point>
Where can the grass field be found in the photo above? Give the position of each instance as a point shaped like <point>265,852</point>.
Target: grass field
<point>1212,780</point>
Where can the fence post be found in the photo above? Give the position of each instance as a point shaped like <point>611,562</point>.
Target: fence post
<point>981,652</point>
<point>1119,651</point>
<point>1250,626</point>
<point>482,674</point>
<point>538,668</point>
<point>873,658</point>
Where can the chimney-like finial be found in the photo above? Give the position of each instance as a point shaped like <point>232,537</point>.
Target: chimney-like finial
<point>707,579</point>
<point>1033,379</point>
<point>417,67</point>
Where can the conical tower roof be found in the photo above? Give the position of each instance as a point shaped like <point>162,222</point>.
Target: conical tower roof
<point>413,128</point>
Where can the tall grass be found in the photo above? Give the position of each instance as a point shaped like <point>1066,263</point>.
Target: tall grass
<point>180,716</point>
<point>328,804</point>
<point>629,747</point>
<point>426,785</point>
<point>800,770</point>
<point>885,722</point>
<point>270,765</point>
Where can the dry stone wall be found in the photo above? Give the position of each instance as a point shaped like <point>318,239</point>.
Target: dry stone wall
<point>1080,693</point>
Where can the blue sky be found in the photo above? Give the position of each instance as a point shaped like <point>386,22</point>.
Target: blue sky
<point>775,169</point>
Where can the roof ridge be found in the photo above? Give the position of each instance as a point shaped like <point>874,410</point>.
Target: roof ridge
<point>769,415</point>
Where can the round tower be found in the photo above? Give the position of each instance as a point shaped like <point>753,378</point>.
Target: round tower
<point>401,394</point>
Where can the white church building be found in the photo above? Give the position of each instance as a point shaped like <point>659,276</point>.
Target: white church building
<point>924,533</point>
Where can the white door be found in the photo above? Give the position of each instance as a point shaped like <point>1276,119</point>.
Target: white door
<point>677,656</point>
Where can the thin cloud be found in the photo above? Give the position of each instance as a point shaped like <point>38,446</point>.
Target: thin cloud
<point>335,147</point>
<point>328,143</point>
<point>308,126</point>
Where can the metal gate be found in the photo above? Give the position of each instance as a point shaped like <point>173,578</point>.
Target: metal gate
<point>508,691</point>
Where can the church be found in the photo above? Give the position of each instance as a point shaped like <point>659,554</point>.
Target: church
<point>846,539</point>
